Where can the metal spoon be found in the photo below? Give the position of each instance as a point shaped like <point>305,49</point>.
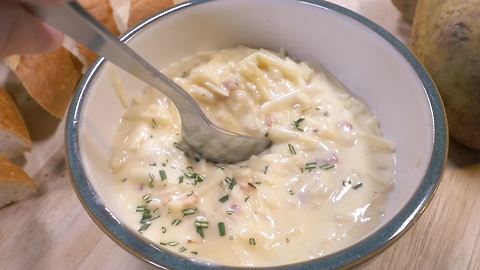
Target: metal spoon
<point>204,137</point>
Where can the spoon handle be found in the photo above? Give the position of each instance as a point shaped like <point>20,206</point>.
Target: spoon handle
<point>73,20</point>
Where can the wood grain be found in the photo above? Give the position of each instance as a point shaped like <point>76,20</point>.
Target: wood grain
<point>52,231</point>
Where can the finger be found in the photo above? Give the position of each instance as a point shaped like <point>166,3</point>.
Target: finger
<point>22,33</point>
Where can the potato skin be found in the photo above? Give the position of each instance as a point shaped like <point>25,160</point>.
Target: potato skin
<point>446,39</point>
<point>406,7</point>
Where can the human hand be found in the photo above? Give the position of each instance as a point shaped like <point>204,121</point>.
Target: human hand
<point>22,33</point>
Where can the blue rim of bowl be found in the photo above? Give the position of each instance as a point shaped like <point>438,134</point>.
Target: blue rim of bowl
<point>352,255</point>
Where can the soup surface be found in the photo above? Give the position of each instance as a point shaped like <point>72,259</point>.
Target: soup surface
<point>321,186</point>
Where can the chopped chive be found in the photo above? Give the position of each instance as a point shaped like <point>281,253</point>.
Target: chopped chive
<point>152,164</point>
<point>326,114</point>
<point>223,199</point>
<point>266,134</point>
<point>309,166</point>
<point>141,208</point>
<point>290,191</point>
<point>265,170</point>
<point>221,228</point>
<point>200,232</point>
<point>231,182</point>
<point>176,222</point>
<point>252,185</point>
<point>154,124</point>
<point>147,198</point>
<point>124,179</point>
<point>292,149</point>
<point>357,186</point>
<point>296,123</point>
<point>252,242</point>
<point>164,229</point>
<point>229,212</point>
<point>182,249</point>
<point>190,193</point>
<point>178,146</point>
<point>172,243</point>
<point>180,179</point>
<point>189,211</point>
<point>191,174</point>
<point>246,198</point>
<point>163,176</point>
<point>194,252</point>
<point>156,210</point>
<point>151,179</point>
<point>143,227</point>
<point>147,217</point>
<point>327,166</point>
<point>221,166</point>
<point>201,223</point>
<point>258,182</point>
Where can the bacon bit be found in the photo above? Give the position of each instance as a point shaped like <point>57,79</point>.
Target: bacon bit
<point>190,201</point>
<point>234,208</point>
<point>180,203</point>
<point>231,85</point>
<point>332,159</point>
<point>270,120</point>
<point>246,187</point>
<point>345,126</point>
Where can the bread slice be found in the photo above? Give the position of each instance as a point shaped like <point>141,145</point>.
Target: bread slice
<point>50,78</point>
<point>142,9</point>
<point>15,184</point>
<point>14,136</point>
<point>103,12</point>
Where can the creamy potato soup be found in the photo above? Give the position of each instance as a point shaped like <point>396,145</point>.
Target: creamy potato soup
<point>321,186</point>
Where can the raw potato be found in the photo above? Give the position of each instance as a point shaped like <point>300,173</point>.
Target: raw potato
<point>406,7</point>
<point>446,39</point>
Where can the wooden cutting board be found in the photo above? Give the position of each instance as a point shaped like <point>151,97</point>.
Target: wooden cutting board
<point>52,231</point>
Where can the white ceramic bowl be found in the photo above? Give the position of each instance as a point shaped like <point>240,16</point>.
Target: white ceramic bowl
<point>369,61</point>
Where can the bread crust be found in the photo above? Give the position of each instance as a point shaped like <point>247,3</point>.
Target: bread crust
<point>10,172</point>
<point>142,9</point>
<point>11,120</point>
<point>15,184</point>
<point>50,78</point>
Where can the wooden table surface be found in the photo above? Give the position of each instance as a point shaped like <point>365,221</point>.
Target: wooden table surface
<point>52,231</point>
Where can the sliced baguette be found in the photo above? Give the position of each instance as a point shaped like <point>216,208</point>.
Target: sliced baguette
<point>102,11</point>
<point>142,9</point>
<point>14,136</point>
<point>50,78</point>
<point>15,184</point>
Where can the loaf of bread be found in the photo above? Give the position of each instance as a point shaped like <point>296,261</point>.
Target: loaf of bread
<point>15,184</point>
<point>14,136</point>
